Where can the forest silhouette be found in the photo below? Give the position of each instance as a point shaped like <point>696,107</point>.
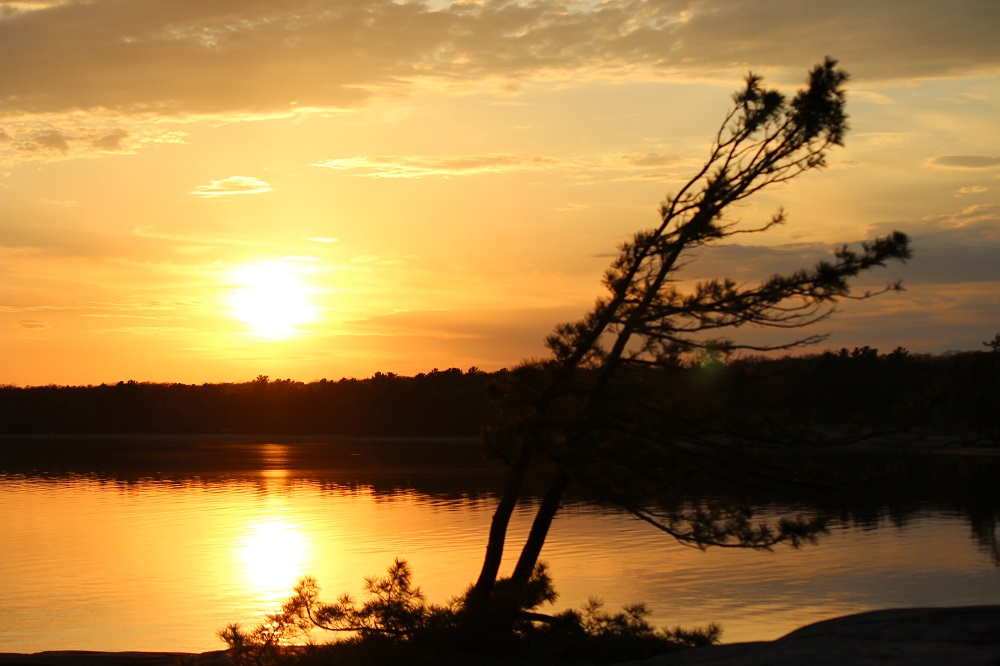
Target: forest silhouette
<point>859,391</point>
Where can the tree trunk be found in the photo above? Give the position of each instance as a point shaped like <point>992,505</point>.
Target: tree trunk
<point>498,525</point>
<point>540,527</point>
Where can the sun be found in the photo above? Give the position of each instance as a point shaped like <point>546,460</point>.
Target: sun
<point>271,298</point>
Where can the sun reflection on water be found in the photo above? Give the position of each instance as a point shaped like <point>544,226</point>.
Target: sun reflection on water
<point>274,554</point>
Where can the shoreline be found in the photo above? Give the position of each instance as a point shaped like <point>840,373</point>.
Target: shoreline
<point>130,658</point>
<point>943,441</point>
<point>232,438</point>
<point>914,636</point>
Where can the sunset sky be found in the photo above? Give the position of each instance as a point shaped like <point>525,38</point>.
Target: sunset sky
<point>204,191</point>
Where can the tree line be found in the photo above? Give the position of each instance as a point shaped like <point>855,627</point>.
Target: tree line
<point>438,403</point>
<point>860,389</point>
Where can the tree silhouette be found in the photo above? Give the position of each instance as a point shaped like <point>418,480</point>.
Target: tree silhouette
<point>597,408</point>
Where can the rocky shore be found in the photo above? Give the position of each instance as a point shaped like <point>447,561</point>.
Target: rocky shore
<point>86,658</point>
<point>912,636</point>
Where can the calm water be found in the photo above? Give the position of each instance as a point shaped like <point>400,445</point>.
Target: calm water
<point>108,549</point>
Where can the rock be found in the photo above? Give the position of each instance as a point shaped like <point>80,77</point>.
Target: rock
<point>86,658</point>
<point>913,636</point>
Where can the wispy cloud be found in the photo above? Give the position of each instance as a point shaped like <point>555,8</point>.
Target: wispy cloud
<point>196,239</point>
<point>37,308</point>
<point>33,324</point>
<point>10,7</point>
<point>374,260</point>
<point>871,97</point>
<point>126,308</point>
<point>965,161</point>
<point>122,315</point>
<point>422,166</point>
<point>164,331</point>
<point>232,186</point>
<point>972,189</point>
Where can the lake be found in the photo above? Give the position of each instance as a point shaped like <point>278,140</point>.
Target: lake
<point>155,544</point>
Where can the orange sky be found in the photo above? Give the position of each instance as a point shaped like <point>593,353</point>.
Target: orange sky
<point>403,186</point>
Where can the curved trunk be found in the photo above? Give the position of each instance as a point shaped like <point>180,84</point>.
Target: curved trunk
<point>540,527</point>
<point>498,526</point>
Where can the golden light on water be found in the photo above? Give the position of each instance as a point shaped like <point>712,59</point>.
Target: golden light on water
<point>273,554</point>
<point>205,553</point>
<point>272,299</point>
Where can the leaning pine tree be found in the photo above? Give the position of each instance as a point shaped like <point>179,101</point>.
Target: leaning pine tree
<point>599,410</point>
<point>595,408</point>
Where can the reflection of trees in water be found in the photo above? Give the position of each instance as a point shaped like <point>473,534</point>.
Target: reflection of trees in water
<point>984,529</point>
<point>982,497</point>
<point>874,490</point>
<point>962,484</point>
<point>863,491</point>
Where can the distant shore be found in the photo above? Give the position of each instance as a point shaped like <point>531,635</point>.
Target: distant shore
<point>229,438</point>
<point>915,442</point>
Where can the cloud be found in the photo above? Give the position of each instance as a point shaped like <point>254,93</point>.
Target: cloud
<point>422,166</point>
<point>871,97</point>
<point>9,8</point>
<point>965,161</point>
<point>957,248</point>
<point>231,186</point>
<point>51,138</point>
<point>572,208</point>
<point>121,315</point>
<point>752,263</point>
<point>650,159</point>
<point>973,189</point>
<point>876,41</point>
<point>127,308</point>
<point>883,139</point>
<point>112,141</point>
<point>197,239</point>
<point>33,324</point>
<point>144,331</point>
<point>172,58</point>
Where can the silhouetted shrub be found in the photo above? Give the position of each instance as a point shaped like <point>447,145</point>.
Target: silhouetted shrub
<point>395,625</point>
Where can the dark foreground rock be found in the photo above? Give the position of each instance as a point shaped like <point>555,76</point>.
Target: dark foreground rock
<point>84,658</point>
<point>914,636</point>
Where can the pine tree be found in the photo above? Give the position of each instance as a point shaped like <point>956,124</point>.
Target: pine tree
<point>596,409</point>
